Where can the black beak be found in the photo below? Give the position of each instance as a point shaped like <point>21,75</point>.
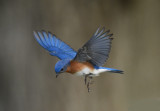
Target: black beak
<point>56,75</point>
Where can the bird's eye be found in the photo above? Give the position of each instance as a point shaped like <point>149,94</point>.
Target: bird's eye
<point>62,69</point>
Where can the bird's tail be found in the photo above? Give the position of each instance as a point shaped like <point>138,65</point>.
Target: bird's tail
<point>112,70</point>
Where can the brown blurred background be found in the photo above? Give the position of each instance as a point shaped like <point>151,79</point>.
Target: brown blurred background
<point>27,77</point>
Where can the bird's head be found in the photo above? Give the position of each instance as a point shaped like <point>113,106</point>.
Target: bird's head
<point>61,66</point>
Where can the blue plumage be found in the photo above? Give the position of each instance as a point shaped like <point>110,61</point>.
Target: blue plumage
<point>61,65</point>
<point>55,46</point>
<point>95,51</point>
<point>87,61</point>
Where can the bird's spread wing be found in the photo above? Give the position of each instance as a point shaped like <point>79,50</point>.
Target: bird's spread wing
<point>55,46</point>
<point>97,49</point>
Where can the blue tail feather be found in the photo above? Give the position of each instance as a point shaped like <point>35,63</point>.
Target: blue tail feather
<point>110,69</point>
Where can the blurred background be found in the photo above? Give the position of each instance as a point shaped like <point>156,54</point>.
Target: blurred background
<point>27,77</point>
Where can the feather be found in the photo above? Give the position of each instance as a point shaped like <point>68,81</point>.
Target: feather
<point>55,46</point>
<point>96,50</point>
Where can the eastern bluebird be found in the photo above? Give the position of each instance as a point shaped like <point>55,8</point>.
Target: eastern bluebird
<point>87,61</point>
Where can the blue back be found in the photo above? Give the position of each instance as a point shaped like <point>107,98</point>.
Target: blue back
<point>55,46</point>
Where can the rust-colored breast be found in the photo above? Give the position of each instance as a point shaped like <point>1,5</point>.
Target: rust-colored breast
<point>76,66</point>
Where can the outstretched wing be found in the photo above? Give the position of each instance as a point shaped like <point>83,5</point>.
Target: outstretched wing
<point>97,49</point>
<point>55,46</point>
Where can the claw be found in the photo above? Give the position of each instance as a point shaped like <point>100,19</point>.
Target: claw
<point>88,87</point>
<point>85,80</point>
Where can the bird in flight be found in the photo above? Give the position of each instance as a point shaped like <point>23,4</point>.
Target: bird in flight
<point>87,61</point>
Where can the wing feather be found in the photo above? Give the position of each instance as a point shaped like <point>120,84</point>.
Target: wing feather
<point>96,50</point>
<point>54,45</point>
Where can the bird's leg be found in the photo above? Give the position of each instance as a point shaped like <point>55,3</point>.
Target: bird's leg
<point>89,82</point>
<point>85,79</point>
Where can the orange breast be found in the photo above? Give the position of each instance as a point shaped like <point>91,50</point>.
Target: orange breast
<point>77,66</point>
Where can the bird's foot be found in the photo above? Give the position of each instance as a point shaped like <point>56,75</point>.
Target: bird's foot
<point>89,83</point>
<point>85,79</point>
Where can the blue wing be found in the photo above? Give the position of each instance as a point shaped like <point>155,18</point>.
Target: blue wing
<point>55,46</point>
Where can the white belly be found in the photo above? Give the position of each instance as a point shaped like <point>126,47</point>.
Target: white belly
<point>87,71</point>
<point>83,72</point>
